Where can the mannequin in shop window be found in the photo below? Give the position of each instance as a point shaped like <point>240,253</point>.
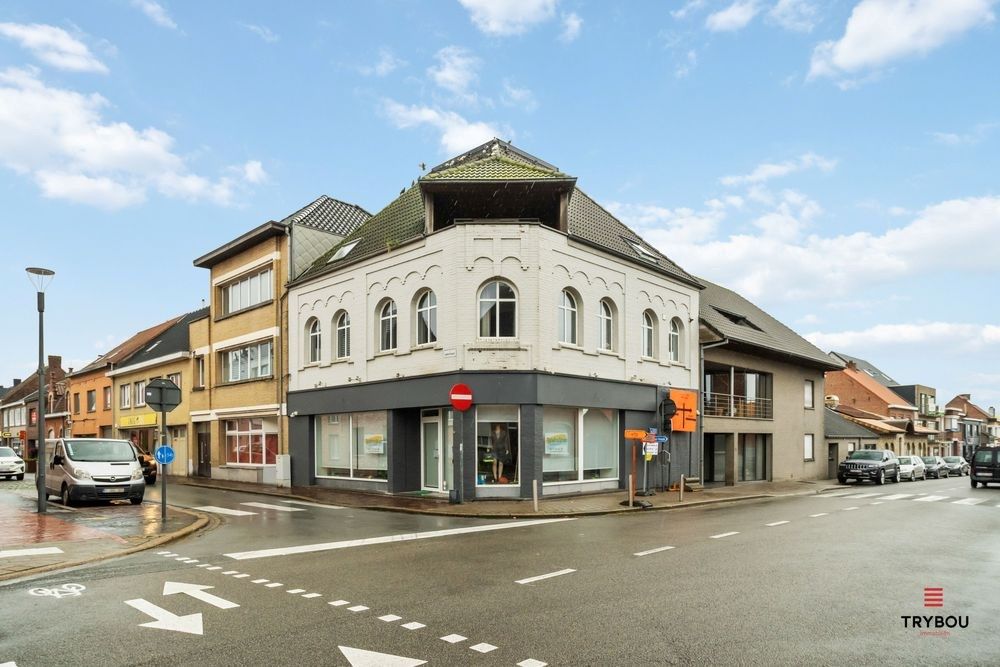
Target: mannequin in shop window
<point>500,444</point>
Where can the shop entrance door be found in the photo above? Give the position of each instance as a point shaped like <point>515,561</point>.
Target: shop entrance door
<point>204,454</point>
<point>435,451</point>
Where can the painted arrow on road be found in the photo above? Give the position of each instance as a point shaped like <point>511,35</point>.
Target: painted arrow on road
<point>361,658</point>
<point>166,620</point>
<point>197,591</point>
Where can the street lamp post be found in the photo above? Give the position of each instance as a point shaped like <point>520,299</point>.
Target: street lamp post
<point>40,278</point>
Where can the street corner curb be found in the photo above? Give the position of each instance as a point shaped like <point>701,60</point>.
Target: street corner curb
<point>201,520</point>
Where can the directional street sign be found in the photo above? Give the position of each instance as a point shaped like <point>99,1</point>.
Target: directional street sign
<point>165,620</point>
<point>164,454</point>
<point>662,439</point>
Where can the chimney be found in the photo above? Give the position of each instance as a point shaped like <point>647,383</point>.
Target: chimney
<point>17,381</point>
<point>852,365</point>
<point>55,361</point>
<point>832,401</point>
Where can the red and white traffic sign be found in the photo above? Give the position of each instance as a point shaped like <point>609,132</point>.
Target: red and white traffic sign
<point>461,397</point>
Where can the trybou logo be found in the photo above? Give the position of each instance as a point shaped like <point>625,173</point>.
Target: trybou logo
<point>937,624</point>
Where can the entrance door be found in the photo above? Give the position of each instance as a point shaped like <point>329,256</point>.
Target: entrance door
<point>831,459</point>
<point>204,454</point>
<point>435,452</point>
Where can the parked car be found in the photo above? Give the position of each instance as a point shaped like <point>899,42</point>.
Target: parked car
<point>912,468</point>
<point>985,467</point>
<point>94,469</point>
<point>876,465</point>
<point>147,462</point>
<point>957,465</point>
<point>936,467</point>
<point>11,465</point>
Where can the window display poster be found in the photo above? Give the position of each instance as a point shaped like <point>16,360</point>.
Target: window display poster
<point>557,443</point>
<point>375,444</point>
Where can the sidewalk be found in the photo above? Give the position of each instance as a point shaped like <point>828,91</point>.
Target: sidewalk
<point>66,537</point>
<point>32,543</point>
<point>582,505</point>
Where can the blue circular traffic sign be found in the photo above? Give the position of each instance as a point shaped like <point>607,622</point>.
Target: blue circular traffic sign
<point>164,454</point>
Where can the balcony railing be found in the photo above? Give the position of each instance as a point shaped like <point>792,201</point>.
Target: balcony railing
<point>740,407</point>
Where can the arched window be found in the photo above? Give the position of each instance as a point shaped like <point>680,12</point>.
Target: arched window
<point>675,340</point>
<point>497,310</point>
<point>427,318</point>
<point>607,323</point>
<point>315,341</point>
<point>343,336</point>
<point>648,335</point>
<point>387,327</point>
<point>567,318</point>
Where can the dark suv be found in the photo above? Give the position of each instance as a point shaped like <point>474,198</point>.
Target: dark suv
<point>876,465</point>
<point>985,466</point>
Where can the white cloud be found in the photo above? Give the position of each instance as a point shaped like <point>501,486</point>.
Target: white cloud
<point>60,138</point>
<point>952,335</point>
<point>766,171</point>
<point>881,31</point>
<point>387,63</point>
<point>795,15</point>
<point>155,12</point>
<point>665,227</point>
<point>508,17</point>
<point>54,46</point>
<point>521,98</point>
<point>457,134</point>
<point>689,7</point>
<point>253,172</point>
<point>572,24</point>
<point>456,71</point>
<point>684,68</point>
<point>263,32</point>
<point>977,134</point>
<point>734,17</point>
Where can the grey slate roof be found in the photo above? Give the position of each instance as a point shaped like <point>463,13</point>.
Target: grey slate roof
<point>172,340</point>
<point>758,329</point>
<point>837,426</point>
<point>329,215</point>
<point>403,219</point>
<point>867,368</point>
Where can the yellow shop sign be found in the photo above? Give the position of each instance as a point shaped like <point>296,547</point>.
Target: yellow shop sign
<point>137,420</point>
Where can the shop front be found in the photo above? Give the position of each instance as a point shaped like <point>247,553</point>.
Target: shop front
<point>141,429</point>
<point>563,434</point>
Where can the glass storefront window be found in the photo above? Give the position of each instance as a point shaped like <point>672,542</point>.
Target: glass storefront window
<point>497,444</point>
<point>572,435</point>
<point>251,441</point>
<point>352,445</point>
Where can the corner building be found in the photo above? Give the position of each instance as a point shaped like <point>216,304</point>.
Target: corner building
<point>496,271</point>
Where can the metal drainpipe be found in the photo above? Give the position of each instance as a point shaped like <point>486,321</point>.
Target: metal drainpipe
<point>700,436</point>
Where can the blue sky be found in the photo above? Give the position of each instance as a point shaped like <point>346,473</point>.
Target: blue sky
<point>835,162</point>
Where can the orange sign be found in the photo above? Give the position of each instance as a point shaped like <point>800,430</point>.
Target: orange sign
<point>686,419</point>
<point>634,434</point>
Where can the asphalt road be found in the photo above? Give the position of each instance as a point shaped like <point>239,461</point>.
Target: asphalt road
<point>789,581</point>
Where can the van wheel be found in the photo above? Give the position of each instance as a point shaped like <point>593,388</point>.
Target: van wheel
<point>135,501</point>
<point>64,495</point>
<point>974,483</point>
<point>21,476</point>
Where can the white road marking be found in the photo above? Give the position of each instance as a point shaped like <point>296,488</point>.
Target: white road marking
<point>294,591</point>
<point>312,595</point>
<point>848,509</point>
<point>483,647</point>
<point>339,603</point>
<point>453,639</point>
<point>161,553</point>
<point>777,523</point>
<point>192,561</point>
<point>898,496</point>
<point>229,572</point>
<point>302,502</point>
<point>198,592</point>
<point>205,565</point>
<point>224,510</point>
<point>387,539</point>
<point>215,567</point>
<point>360,658</point>
<point>813,516</point>
<point>720,535</point>
<point>877,502</point>
<point>240,576</point>
<point>166,620</point>
<point>544,576</point>
<point>929,499</point>
<point>531,662</point>
<point>38,551</point>
<point>390,618</point>
<point>273,584</point>
<point>260,581</point>
<point>8,664</point>
<point>413,625</point>
<point>865,495</point>
<point>968,501</point>
<point>652,551</point>
<point>358,607</point>
<point>836,495</point>
<point>280,508</point>
<point>183,558</point>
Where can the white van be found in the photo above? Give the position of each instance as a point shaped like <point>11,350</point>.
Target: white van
<point>93,469</point>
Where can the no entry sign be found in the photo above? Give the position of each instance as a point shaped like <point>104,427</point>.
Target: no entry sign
<point>461,397</point>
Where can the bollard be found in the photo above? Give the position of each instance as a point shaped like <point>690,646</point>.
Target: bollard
<point>681,489</point>
<point>534,493</point>
<point>631,492</point>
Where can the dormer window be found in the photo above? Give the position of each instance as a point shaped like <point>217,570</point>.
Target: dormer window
<point>343,251</point>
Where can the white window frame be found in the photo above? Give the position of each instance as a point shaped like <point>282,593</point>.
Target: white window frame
<point>315,338</point>
<point>568,313</point>
<point>606,319</point>
<point>140,394</point>
<point>388,317</point>
<point>175,378</point>
<point>495,302</point>
<point>809,447</point>
<point>809,389</point>
<point>343,326</point>
<point>199,363</point>
<point>259,365</point>
<point>674,345</point>
<point>125,395</point>
<point>247,291</point>
<point>427,318</point>
<point>648,335</point>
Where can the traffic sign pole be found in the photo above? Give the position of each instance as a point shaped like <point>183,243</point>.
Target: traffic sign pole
<point>163,477</point>
<point>461,399</point>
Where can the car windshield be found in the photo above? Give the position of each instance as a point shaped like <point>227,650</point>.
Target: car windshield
<point>982,456</point>
<point>953,459</point>
<point>866,455</point>
<point>99,450</point>
<point>7,451</point>
<point>905,460</point>
<point>930,459</point>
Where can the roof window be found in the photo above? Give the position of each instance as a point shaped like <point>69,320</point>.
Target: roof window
<point>641,251</point>
<point>343,250</point>
<point>736,318</point>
